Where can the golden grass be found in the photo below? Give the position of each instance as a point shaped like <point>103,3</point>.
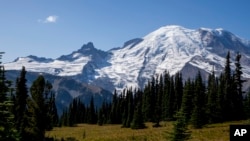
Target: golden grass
<point>85,132</point>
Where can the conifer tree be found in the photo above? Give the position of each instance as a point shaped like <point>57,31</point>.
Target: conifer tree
<point>228,90</point>
<point>238,95</point>
<point>91,113</point>
<point>38,109</point>
<point>146,105</point>
<point>180,130</point>
<point>114,114</point>
<point>7,127</point>
<point>198,114</point>
<point>158,104</point>
<point>137,122</point>
<point>50,106</point>
<point>100,120</point>
<point>170,100</point>
<point>20,104</point>
<point>178,91</point>
<point>211,106</point>
<point>130,104</point>
<point>165,95</point>
<point>187,100</point>
<point>20,97</point>
<point>220,99</point>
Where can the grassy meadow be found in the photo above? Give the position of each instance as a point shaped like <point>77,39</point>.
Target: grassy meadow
<point>86,132</point>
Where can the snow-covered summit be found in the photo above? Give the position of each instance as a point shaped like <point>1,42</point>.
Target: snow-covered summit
<point>172,48</point>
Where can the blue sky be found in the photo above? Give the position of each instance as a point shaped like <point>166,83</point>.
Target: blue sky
<point>50,28</point>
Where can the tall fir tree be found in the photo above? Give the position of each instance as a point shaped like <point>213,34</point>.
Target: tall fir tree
<point>158,104</point>
<point>238,95</point>
<point>38,109</point>
<point>187,100</point>
<point>138,122</point>
<point>198,113</point>
<point>146,105</point>
<point>180,130</point>
<point>91,112</point>
<point>211,105</point>
<point>20,104</point>
<point>228,90</point>
<point>8,131</point>
<point>178,91</point>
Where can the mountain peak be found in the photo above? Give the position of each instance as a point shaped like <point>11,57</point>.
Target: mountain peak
<point>87,46</point>
<point>173,48</point>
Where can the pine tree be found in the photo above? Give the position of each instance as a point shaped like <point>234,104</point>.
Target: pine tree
<point>220,100</point>
<point>114,114</point>
<point>7,127</point>
<point>100,117</point>
<point>146,105</point>
<point>198,114</point>
<point>130,104</point>
<point>238,95</point>
<point>211,106</point>
<point>50,106</point>
<point>38,109</point>
<point>228,91</point>
<point>178,91</point>
<point>91,113</point>
<point>165,95</point>
<point>137,122</point>
<point>158,104</point>
<point>20,104</point>
<point>180,131</point>
<point>170,100</point>
<point>187,100</point>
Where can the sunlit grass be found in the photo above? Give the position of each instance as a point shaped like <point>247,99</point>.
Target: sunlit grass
<point>86,132</point>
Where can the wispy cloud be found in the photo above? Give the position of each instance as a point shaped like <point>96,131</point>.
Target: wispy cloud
<point>49,19</point>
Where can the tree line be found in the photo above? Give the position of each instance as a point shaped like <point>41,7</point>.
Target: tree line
<point>166,98</point>
<point>26,114</point>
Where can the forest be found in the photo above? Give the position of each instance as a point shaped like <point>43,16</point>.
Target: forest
<point>28,114</point>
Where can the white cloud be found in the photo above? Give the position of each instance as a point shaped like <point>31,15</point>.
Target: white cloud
<point>49,19</point>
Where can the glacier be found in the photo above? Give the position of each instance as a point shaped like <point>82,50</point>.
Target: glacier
<point>170,48</point>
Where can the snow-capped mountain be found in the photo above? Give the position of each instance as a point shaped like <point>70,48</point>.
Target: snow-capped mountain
<point>172,48</point>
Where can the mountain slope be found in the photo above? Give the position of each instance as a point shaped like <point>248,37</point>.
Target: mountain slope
<point>172,48</point>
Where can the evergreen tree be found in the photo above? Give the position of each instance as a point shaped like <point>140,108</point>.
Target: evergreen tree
<point>114,114</point>
<point>165,95</point>
<point>130,105</point>
<point>158,104</point>
<point>187,100</point>
<point>7,127</point>
<point>20,99</point>
<point>211,106</point>
<point>50,106</point>
<point>180,131</point>
<point>170,100</point>
<point>138,122</point>
<point>100,117</point>
<point>220,99</point>
<point>238,95</point>
<point>198,114</point>
<point>38,117</point>
<point>146,105</point>
<point>178,91</point>
<point>228,90</point>
<point>20,104</point>
<point>91,113</point>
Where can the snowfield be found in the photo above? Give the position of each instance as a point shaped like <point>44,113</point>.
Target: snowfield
<point>167,48</point>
